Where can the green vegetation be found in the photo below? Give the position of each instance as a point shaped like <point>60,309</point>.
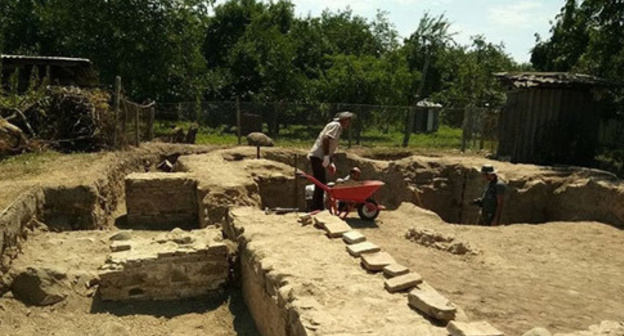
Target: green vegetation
<point>27,164</point>
<point>586,38</point>
<point>193,50</point>
<point>298,136</point>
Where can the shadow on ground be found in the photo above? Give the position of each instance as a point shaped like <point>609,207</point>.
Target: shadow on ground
<point>357,223</point>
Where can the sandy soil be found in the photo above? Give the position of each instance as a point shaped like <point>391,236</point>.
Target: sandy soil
<point>81,314</point>
<point>561,276</point>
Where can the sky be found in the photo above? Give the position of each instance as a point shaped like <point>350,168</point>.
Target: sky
<point>513,22</point>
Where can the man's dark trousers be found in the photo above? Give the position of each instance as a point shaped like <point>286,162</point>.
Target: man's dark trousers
<point>318,171</point>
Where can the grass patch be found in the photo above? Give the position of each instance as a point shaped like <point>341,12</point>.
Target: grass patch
<point>27,164</point>
<point>38,163</point>
<point>302,136</point>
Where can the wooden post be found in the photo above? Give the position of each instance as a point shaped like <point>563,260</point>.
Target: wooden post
<point>296,198</point>
<point>124,125</point>
<point>150,123</point>
<point>116,108</point>
<point>349,133</point>
<point>409,128</point>
<point>238,120</point>
<point>136,126</point>
<point>465,130</point>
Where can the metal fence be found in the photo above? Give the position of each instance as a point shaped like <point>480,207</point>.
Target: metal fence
<point>304,121</point>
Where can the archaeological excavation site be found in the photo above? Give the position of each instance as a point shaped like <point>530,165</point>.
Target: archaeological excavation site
<point>198,240</point>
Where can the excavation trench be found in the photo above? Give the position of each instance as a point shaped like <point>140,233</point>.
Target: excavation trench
<point>204,189</point>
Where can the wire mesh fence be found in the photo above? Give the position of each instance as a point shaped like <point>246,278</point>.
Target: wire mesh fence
<point>135,123</point>
<point>302,122</point>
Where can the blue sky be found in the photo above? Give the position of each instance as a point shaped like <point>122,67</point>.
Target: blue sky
<point>512,22</point>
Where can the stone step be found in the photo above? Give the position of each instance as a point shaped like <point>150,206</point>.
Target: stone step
<point>393,270</point>
<point>428,301</point>
<point>334,226</point>
<point>480,328</point>
<point>376,261</point>
<point>358,249</point>
<point>353,237</point>
<point>402,282</point>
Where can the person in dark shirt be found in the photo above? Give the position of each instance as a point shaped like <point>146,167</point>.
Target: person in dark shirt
<point>492,199</point>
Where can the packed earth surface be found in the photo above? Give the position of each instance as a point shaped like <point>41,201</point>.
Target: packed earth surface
<point>556,263</point>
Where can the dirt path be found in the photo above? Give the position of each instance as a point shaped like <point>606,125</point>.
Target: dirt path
<point>562,276</point>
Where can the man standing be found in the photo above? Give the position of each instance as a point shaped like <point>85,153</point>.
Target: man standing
<point>492,199</point>
<point>321,153</point>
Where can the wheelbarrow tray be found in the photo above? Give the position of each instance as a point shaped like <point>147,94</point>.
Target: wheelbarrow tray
<point>357,192</point>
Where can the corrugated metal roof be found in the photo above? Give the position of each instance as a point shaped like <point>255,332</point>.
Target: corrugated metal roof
<point>551,79</point>
<point>45,58</point>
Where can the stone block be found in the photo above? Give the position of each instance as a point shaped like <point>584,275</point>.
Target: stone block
<point>120,245</point>
<point>428,301</point>
<point>121,235</point>
<point>480,328</point>
<point>402,282</point>
<point>358,249</point>
<point>161,200</point>
<point>161,269</point>
<point>334,226</point>
<point>377,261</point>
<point>353,237</point>
<point>305,219</point>
<point>393,270</point>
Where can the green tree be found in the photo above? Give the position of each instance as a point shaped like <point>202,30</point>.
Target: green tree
<point>152,44</point>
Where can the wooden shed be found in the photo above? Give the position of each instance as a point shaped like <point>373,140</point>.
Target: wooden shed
<point>63,71</point>
<point>550,118</point>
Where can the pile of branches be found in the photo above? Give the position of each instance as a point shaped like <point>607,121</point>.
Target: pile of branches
<point>67,119</point>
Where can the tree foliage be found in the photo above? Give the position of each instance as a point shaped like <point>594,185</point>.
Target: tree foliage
<point>184,50</point>
<point>585,37</point>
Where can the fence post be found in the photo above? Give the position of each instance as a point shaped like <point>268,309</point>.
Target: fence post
<point>116,108</point>
<point>136,126</point>
<point>465,129</point>
<point>150,123</point>
<point>238,120</point>
<point>409,127</point>
<point>349,133</point>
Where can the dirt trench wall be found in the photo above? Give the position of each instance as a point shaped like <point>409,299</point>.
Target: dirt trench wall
<point>83,203</point>
<point>266,302</point>
<point>448,185</point>
<point>15,221</point>
<point>234,177</point>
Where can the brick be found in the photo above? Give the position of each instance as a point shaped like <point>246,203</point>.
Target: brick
<point>334,226</point>
<point>377,261</point>
<point>480,328</point>
<point>428,301</point>
<point>402,282</point>
<point>358,249</point>
<point>353,237</point>
<point>393,270</point>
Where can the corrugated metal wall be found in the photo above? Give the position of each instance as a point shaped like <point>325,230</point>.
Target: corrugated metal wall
<point>549,126</point>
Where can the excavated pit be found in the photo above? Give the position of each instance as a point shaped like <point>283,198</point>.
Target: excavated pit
<point>448,185</point>
<point>204,188</point>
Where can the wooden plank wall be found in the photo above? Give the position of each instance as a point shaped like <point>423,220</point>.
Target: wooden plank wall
<point>538,125</point>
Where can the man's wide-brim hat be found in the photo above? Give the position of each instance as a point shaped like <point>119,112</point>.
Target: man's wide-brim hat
<point>344,115</point>
<point>487,169</point>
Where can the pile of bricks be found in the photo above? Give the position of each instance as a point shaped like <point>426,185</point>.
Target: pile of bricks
<point>399,278</point>
<point>168,268</point>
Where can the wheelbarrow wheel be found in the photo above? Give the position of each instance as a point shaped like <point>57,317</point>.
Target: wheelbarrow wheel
<point>368,210</point>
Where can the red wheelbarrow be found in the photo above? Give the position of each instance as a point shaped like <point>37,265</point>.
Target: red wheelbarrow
<point>350,196</point>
